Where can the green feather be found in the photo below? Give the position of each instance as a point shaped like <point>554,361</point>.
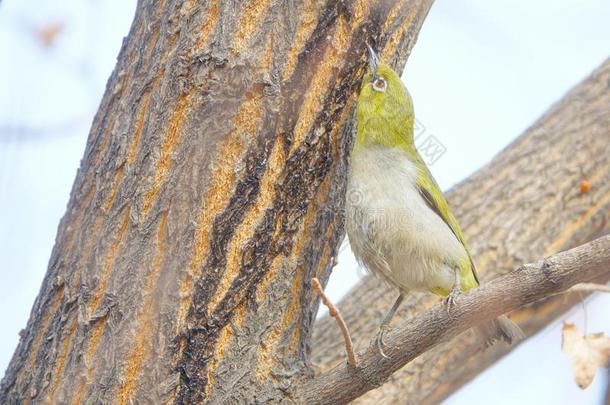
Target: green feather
<point>433,196</point>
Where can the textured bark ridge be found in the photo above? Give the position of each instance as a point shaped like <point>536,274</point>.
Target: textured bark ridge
<point>209,194</point>
<point>525,205</point>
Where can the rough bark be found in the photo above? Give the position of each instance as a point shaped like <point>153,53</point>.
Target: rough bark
<point>525,205</point>
<point>525,285</point>
<point>210,193</point>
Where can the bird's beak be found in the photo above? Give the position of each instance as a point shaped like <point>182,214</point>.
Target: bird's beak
<point>373,59</point>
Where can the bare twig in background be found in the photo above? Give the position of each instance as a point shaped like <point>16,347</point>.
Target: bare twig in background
<point>525,285</point>
<point>334,312</point>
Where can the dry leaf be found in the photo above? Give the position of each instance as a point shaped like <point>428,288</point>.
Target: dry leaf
<point>48,34</point>
<point>586,353</point>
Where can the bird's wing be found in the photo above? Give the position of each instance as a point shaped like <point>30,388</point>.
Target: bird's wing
<point>433,196</point>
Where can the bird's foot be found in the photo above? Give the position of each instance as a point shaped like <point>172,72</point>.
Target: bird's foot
<point>452,298</point>
<point>379,340</point>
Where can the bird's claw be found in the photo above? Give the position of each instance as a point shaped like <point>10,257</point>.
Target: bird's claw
<point>451,299</point>
<point>379,340</point>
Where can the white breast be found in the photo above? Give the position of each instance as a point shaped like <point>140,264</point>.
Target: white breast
<point>391,229</point>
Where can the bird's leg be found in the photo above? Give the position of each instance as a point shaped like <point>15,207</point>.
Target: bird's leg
<point>451,299</point>
<point>386,323</point>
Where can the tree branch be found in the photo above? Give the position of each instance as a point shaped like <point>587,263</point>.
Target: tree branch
<point>334,312</point>
<point>522,286</point>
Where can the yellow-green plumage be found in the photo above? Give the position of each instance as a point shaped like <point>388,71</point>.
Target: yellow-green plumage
<point>397,219</point>
<point>385,120</point>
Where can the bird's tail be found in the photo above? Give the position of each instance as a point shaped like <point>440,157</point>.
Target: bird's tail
<point>501,328</point>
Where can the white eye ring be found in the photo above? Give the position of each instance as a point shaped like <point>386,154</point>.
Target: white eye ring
<point>379,84</point>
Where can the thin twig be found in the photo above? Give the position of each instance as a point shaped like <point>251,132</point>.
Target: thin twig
<point>586,288</point>
<point>334,312</point>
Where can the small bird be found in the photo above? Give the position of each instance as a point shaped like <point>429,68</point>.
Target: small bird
<point>398,223</point>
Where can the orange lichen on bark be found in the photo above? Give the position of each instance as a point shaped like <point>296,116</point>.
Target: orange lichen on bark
<point>274,335</point>
<point>268,345</point>
<point>223,178</point>
<point>210,22</point>
<point>219,350</point>
<point>252,218</point>
<point>394,12</point>
<point>99,152</point>
<point>118,179</point>
<point>88,249</point>
<point>325,254</point>
<point>224,339</point>
<point>312,104</point>
<point>144,319</point>
<point>49,313</point>
<point>94,340</point>
<point>306,26</point>
<point>221,182</point>
<point>252,14</point>
<point>60,363</point>
<point>160,7</point>
<point>360,9</point>
<point>89,246</point>
<point>74,227</point>
<point>139,125</point>
<point>170,142</point>
<point>307,221</point>
<point>152,43</point>
<point>395,38</point>
<point>97,330</point>
<point>267,54</point>
<point>135,142</point>
<point>124,78</point>
<point>111,256</point>
<point>261,287</point>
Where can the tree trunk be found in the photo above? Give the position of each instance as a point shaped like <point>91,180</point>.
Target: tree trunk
<point>209,194</point>
<point>526,204</point>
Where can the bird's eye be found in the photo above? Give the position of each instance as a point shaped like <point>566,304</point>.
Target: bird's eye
<point>379,84</point>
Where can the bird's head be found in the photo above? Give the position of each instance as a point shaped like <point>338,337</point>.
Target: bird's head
<point>384,110</point>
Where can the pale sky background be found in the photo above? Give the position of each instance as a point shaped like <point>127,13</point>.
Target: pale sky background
<point>480,74</point>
